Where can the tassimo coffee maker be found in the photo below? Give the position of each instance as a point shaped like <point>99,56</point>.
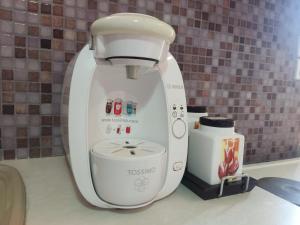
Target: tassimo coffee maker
<point>124,119</point>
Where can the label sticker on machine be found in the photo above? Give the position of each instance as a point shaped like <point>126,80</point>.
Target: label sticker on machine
<point>229,157</point>
<point>120,107</point>
<point>119,113</point>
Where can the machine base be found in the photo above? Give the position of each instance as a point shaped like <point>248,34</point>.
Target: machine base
<point>207,191</point>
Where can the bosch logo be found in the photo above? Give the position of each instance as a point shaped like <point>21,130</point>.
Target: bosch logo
<point>175,86</point>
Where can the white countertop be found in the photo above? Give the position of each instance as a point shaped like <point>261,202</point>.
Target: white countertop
<point>52,199</point>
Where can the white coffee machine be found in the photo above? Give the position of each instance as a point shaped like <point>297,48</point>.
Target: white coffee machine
<point>124,119</point>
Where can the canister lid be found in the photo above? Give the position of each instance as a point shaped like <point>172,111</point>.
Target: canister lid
<point>216,121</point>
<point>196,109</point>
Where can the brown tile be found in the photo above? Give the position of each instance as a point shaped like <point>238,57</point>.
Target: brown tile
<point>21,132</point>
<point>46,141</point>
<point>211,26</point>
<point>7,74</point>
<point>197,23</point>
<point>8,97</point>
<point>34,109</point>
<point>21,86</point>
<point>175,10</point>
<point>5,14</point>
<point>33,54</point>
<point>46,131</point>
<point>68,56</point>
<point>205,16</point>
<point>114,8</point>
<point>8,109</point>
<point>9,154</point>
<point>45,55</point>
<point>92,4</point>
<point>57,44</point>
<point>46,66</point>
<point>47,120</point>
<point>58,1</point>
<point>33,76</point>
<point>20,52</point>
<point>57,21</point>
<point>159,6</point>
<point>7,86</point>
<point>56,121</point>
<point>183,11</point>
<point>33,30</point>
<point>58,33</point>
<point>33,6</point>
<point>232,4</point>
<point>34,87</point>
<point>58,10</point>
<point>209,52</point>
<point>46,152</point>
<point>46,88</point>
<point>81,36</point>
<point>34,142</point>
<point>46,98</point>
<point>20,108</point>
<point>34,153</point>
<point>22,142</point>
<point>20,41</point>
<point>46,20</point>
<point>46,77</point>
<point>46,43</point>
<point>70,23</point>
<point>46,8</point>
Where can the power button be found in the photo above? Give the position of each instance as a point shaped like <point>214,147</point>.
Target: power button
<point>178,128</point>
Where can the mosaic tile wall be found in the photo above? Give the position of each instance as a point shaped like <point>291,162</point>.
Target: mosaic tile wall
<point>238,58</point>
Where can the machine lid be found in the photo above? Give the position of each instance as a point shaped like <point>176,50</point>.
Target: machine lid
<point>133,23</point>
<point>129,149</point>
<point>221,122</point>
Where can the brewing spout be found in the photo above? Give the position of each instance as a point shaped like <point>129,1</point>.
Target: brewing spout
<point>132,71</point>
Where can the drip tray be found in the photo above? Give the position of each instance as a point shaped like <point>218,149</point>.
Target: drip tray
<point>283,188</point>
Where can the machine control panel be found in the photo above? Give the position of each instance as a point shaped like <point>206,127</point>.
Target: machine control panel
<point>178,125</point>
<point>177,111</point>
<point>119,115</point>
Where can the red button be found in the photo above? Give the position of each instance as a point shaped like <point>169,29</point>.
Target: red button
<point>127,130</point>
<point>118,130</point>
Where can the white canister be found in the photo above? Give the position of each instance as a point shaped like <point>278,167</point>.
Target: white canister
<point>194,113</point>
<point>215,150</point>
